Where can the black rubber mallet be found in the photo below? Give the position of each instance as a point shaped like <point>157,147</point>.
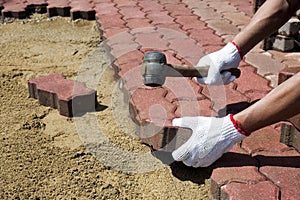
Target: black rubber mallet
<point>155,70</point>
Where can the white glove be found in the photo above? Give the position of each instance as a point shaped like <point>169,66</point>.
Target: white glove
<point>211,138</point>
<point>226,58</point>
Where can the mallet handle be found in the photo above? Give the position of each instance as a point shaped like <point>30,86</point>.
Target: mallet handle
<point>191,71</point>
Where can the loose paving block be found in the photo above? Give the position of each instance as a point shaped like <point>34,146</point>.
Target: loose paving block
<point>163,138</point>
<point>68,96</point>
<point>290,135</point>
<point>290,28</point>
<point>283,43</point>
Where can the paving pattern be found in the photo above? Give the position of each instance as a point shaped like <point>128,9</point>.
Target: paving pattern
<point>259,167</point>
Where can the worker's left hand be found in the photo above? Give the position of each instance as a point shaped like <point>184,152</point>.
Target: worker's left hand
<point>211,138</point>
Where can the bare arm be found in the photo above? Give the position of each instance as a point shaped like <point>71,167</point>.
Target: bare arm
<point>284,101</point>
<point>280,104</point>
<point>269,17</point>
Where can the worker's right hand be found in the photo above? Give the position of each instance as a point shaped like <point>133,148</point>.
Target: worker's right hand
<point>211,138</point>
<point>226,58</point>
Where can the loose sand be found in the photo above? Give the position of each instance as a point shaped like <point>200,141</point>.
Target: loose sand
<point>47,156</point>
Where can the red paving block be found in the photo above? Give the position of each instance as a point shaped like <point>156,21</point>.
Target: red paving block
<point>151,41</point>
<point>264,139</point>
<point>149,104</point>
<point>190,22</point>
<point>106,8</point>
<point>36,2</point>
<point>234,166</point>
<point>178,9</point>
<point>221,96</point>
<point>187,48</point>
<point>290,193</point>
<point>110,32</point>
<point>161,17</point>
<point>170,26</point>
<point>82,9</point>
<point>108,22</point>
<point>181,88</point>
<point>244,6</point>
<point>163,2</point>
<point>125,3</point>
<point>150,6</point>
<point>68,96</point>
<point>120,39</point>
<point>58,8</point>
<point>205,36</point>
<point>132,12</point>
<point>212,48</point>
<point>282,168</point>
<point>138,23</point>
<point>120,49</point>
<point>250,82</point>
<point>132,77</point>
<point>130,57</point>
<point>287,73</point>
<point>194,108</point>
<point>242,191</point>
<point>163,138</point>
<point>14,9</point>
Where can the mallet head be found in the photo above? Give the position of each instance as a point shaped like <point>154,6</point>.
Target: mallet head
<point>153,69</point>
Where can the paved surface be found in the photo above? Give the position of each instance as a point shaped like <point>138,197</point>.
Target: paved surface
<point>259,167</point>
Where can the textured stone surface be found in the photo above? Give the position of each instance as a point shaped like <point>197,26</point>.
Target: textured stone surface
<point>185,31</point>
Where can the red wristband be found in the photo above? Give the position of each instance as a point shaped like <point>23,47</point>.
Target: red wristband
<point>238,48</point>
<point>237,125</point>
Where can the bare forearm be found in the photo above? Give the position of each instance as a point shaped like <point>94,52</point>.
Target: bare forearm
<point>271,16</point>
<point>280,104</point>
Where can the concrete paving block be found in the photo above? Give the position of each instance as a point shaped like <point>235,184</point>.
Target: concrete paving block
<point>290,28</point>
<point>14,10</point>
<point>69,97</point>
<point>150,105</point>
<point>264,139</point>
<point>165,139</point>
<point>58,8</point>
<point>82,10</point>
<point>280,167</point>
<point>284,43</point>
<point>242,191</point>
